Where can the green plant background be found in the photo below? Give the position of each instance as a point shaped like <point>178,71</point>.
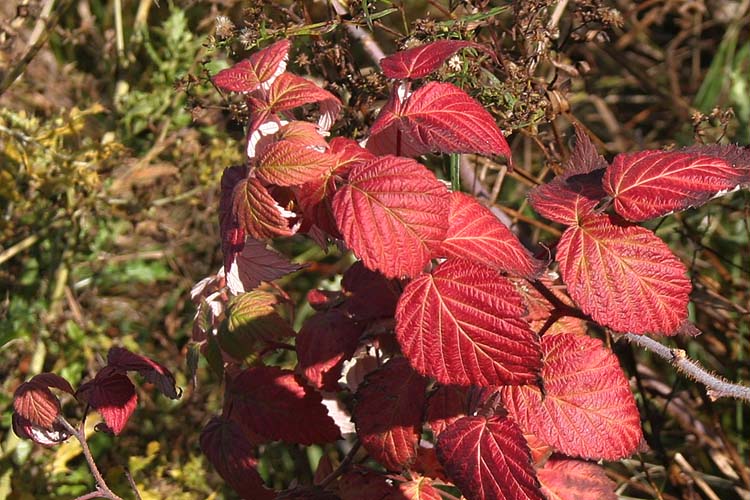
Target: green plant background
<point>113,141</point>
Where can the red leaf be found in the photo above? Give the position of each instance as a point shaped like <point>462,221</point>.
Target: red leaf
<point>153,372</point>
<point>302,133</point>
<point>369,295</point>
<point>487,458</point>
<point>277,404</point>
<point>420,489</point>
<point>113,395</point>
<point>257,212</point>
<point>462,325</point>
<point>257,262</point>
<point>392,213</point>
<point>325,341</point>
<point>232,233</point>
<point>584,158</point>
<point>35,403</point>
<point>440,117</point>
<point>625,277</point>
<point>25,429</point>
<point>251,73</point>
<point>474,233</point>
<point>388,413</point>
<point>566,479</point>
<point>365,484</point>
<point>289,91</point>
<point>568,199</point>
<point>231,454</point>
<point>650,184</point>
<point>587,408</point>
<point>286,163</point>
<point>307,493</point>
<point>387,134</point>
<point>446,405</point>
<point>316,196</point>
<point>423,60</point>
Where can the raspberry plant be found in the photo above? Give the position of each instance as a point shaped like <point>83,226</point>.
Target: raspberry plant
<point>452,358</point>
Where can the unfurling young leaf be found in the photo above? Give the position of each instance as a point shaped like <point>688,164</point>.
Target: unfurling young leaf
<point>463,325</point>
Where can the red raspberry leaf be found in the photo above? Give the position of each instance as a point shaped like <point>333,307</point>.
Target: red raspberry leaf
<point>369,294</point>
<point>438,117</point>
<point>423,60</point>
<point>419,489</point>
<point>366,484</point>
<point>35,403</point>
<point>567,199</point>
<point>587,409</point>
<point>624,276</point>
<point>326,340</point>
<point>24,429</point>
<point>255,263</point>
<point>252,324</point>
<point>153,372</point>
<point>388,413</point>
<point>232,455</point>
<point>487,458</point>
<point>446,405</point>
<point>289,91</point>
<point>651,184</point>
<point>257,213</point>
<point>113,395</point>
<point>463,325</point>
<point>287,163</point>
<point>279,405</point>
<point>259,68</point>
<point>565,479</point>
<point>474,233</point>
<point>392,213</point>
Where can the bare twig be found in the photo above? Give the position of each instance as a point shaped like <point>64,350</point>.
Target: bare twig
<point>716,387</point>
<point>342,466</point>
<point>102,490</point>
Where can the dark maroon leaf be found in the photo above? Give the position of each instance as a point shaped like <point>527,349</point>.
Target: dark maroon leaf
<point>326,340</point>
<point>113,395</point>
<point>232,455</point>
<point>369,294</point>
<point>24,429</point>
<point>157,374</point>
<point>277,404</point>
<point>388,413</point>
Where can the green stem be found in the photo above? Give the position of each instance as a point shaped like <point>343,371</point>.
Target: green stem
<point>456,172</point>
